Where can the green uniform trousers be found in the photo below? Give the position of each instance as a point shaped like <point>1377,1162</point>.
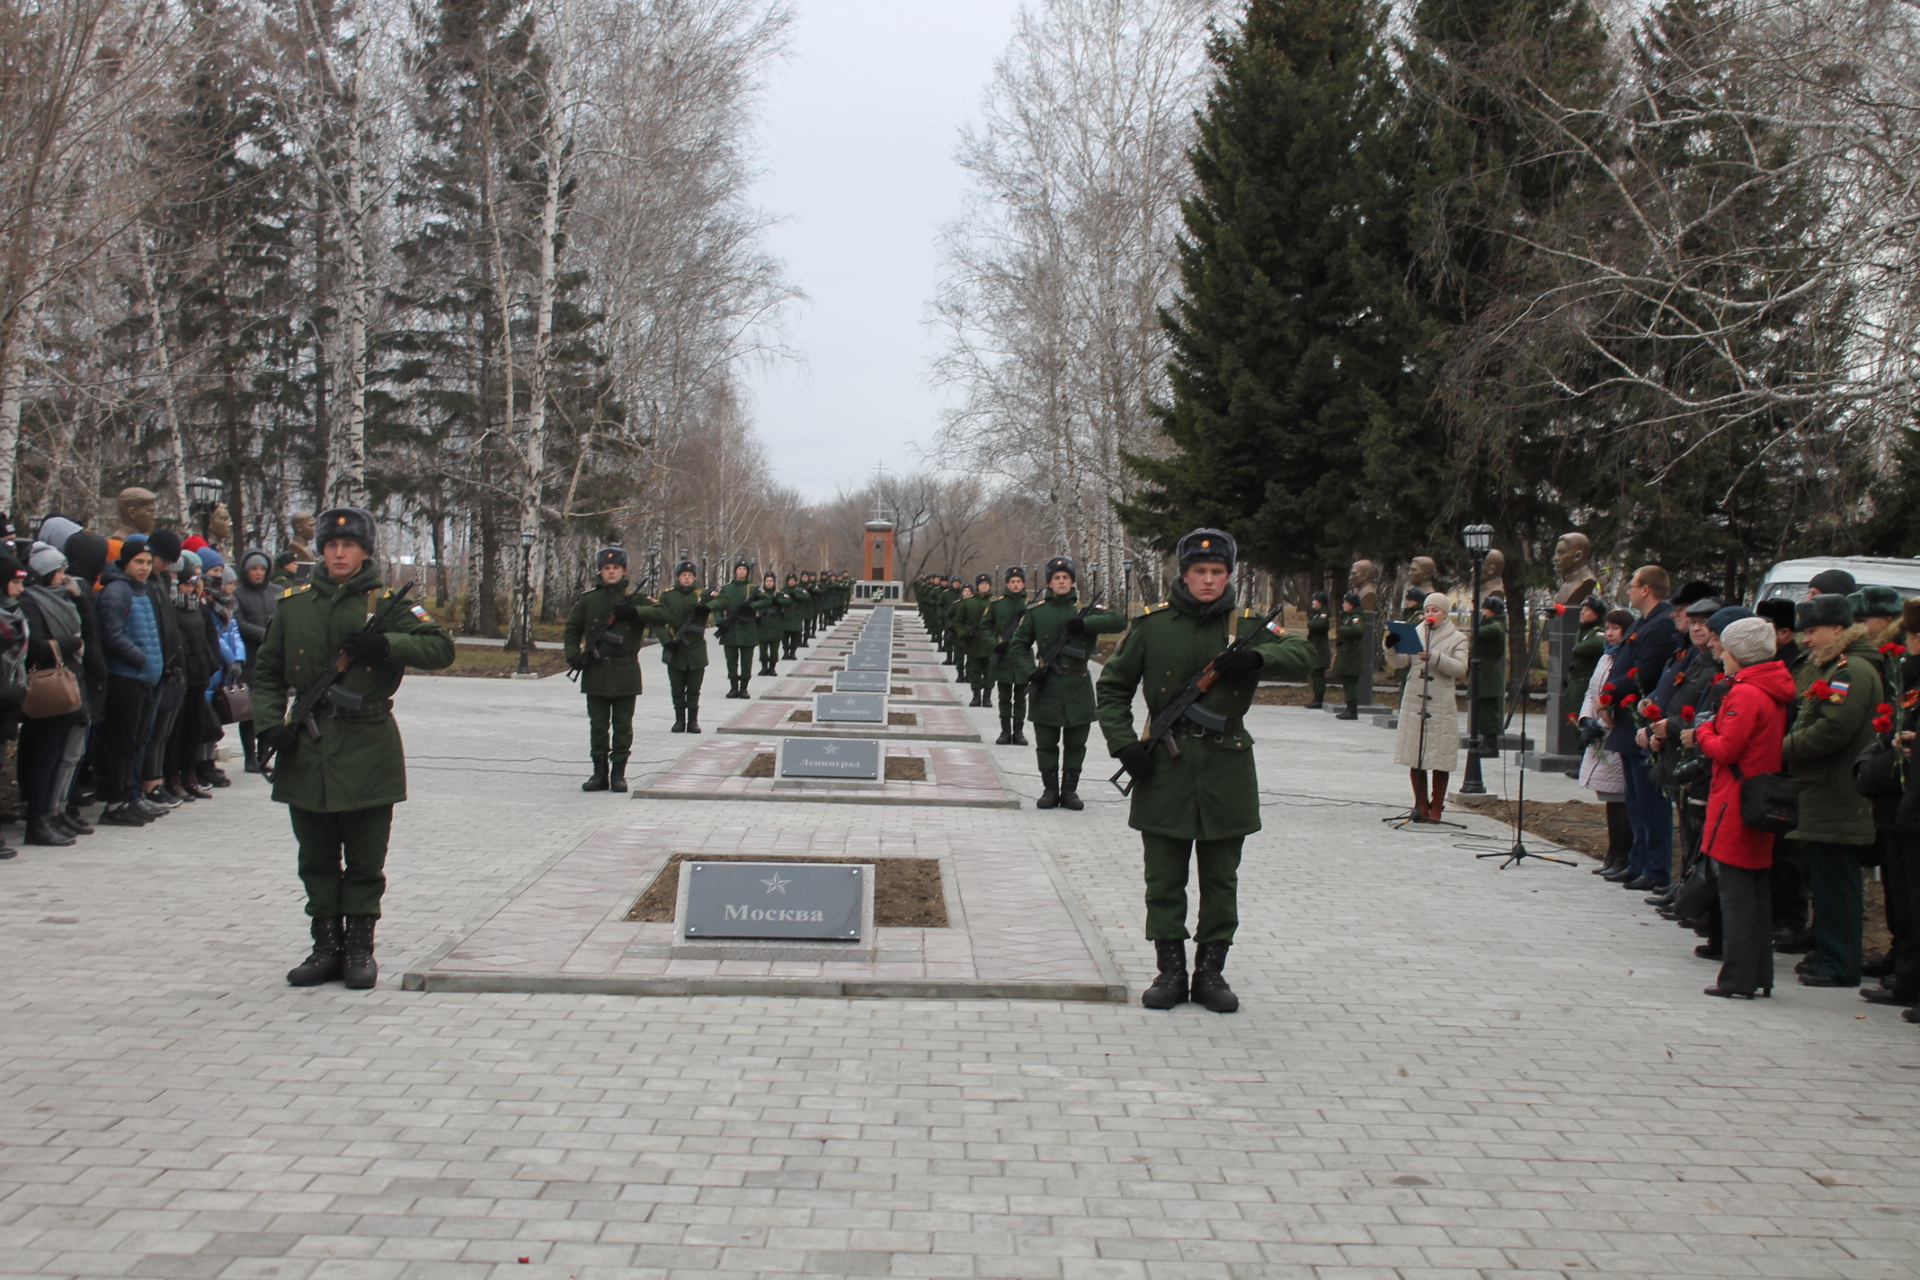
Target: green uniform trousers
<point>1013,699</point>
<point>1166,865</point>
<point>739,661</point>
<point>610,726</point>
<point>977,669</point>
<point>1350,688</point>
<point>1047,740</point>
<point>359,838</point>
<point>686,687</point>
<point>1318,683</point>
<point>769,652</point>
<point>1486,716</point>
<point>1833,874</point>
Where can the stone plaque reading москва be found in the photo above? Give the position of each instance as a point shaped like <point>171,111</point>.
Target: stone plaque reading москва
<point>861,681</point>
<point>773,899</point>
<point>852,758</point>
<point>855,708</point>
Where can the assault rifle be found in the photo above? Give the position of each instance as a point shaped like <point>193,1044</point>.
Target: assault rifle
<point>1012,627</point>
<point>590,651</point>
<point>1038,680</point>
<point>327,687</point>
<point>1186,707</point>
<point>689,630</point>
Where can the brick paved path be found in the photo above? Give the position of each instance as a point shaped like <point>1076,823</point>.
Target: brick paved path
<point>1441,1070</point>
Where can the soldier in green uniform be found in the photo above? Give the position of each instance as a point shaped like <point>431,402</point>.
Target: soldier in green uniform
<point>793,619</point>
<point>340,789</point>
<point>1007,669</point>
<point>283,566</point>
<point>1489,685</point>
<point>609,674</point>
<point>810,612</point>
<point>977,640</point>
<point>683,644</point>
<point>1200,806</point>
<point>738,629</point>
<point>1588,648</point>
<point>1351,632</point>
<point>771,614</point>
<point>1062,706</point>
<point>1319,624</point>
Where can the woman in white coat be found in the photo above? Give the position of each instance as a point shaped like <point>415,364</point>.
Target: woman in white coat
<point>1428,699</point>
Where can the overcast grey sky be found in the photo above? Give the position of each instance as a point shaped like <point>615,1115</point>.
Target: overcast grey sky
<point>860,129</point>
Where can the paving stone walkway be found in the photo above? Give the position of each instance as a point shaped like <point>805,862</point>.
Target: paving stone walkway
<point>1440,1069</point>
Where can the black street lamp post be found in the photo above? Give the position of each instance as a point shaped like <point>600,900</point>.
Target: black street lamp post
<point>1478,537</point>
<point>203,495</point>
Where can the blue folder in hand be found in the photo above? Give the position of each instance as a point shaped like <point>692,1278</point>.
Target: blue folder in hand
<point>1406,637</point>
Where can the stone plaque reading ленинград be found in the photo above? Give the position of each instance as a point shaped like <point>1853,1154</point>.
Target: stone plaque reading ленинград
<point>855,758</point>
<point>773,899</point>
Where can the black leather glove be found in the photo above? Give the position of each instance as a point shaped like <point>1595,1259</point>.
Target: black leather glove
<point>1075,627</point>
<point>371,645</point>
<point>1137,759</point>
<point>275,739</point>
<point>235,672</point>
<point>626,612</point>
<point>701,612</point>
<point>1000,650</point>
<point>578,662</point>
<point>1238,663</point>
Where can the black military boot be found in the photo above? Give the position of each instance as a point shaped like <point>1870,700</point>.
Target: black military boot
<point>1049,790</point>
<point>693,718</point>
<point>359,969</point>
<point>743,686</point>
<point>1318,704</point>
<point>1070,790</point>
<point>1006,731</point>
<point>1019,738</point>
<point>1209,983</point>
<point>1170,988</point>
<point>679,721</point>
<point>598,782</point>
<point>617,776</point>
<point>41,831</point>
<point>250,761</point>
<point>1352,712</point>
<point>329,954</point>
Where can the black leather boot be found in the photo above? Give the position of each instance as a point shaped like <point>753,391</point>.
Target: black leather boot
<point>1209,983</point>
<point>617,776</point>
<point>41,831</point>
<point>359,969</point>
<point>74,821</point>
<point>1070,790</point>
<point>693,718</point>
<point>1049,790</point>
<point>1019,738</point>
<point>1352,712</point>
<point>1006,732</point>
<point>679,721</point>
<point>1170,988</point>
<point>328,958</point>
<point>598,782</point>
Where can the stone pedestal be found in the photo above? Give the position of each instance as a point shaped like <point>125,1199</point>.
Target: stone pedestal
<point>1562,738</point>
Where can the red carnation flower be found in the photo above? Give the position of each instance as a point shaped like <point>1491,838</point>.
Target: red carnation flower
<point>1632,672</point>
<point>1630,699</point>
<point>1651,710</point>
<point>1607,687</point>
<point>1687,714</point>
<point>1883,724</point>
<point>1893,646</point>
<point>1606,700</point>
<point>1820,689</point>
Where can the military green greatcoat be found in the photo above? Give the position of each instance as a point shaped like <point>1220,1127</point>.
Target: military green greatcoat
<point>796,601</point>
<point>359,762</point>
<point>678,603</point>
<point>770,608</point>
<point>1352,635</point>
<point>1002,614</point>
<point>1211,792</point>
<point>1067,697</point>
<point>616,671</point>
<point>967,612</point>
<point>728,602</point>
<point>1319,624</point>
<point>1581,661</point>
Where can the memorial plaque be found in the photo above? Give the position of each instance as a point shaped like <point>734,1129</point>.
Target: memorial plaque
<point>774,899</point>
<point>856,708</point>
<point>870,648</point>
<point>855,758</point>
<point>869,662</point>
<point>861,681</point>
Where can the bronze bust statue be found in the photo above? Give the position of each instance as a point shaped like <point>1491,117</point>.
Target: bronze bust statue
<point>139,510</point>
<point>1364,580</point>
<point>1573,565</point>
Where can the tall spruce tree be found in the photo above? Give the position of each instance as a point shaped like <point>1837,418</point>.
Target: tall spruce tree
<point>1290,336</point>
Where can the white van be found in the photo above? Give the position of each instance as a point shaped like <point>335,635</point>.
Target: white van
<point>1788,579</point>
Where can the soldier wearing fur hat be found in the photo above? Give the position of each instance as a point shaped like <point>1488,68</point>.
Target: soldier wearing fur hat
<point>977,640</point>
<point>1319,626</point>
<point>1062,707</point>
<point>602,642</point>
<point>340,788</point>
<point>769,612</point>
<point>1199,806</point>
<point>738,628</point>
<point>1006,668</point>
<point>683,643</point>
<point>793,618</point>
<point>1351,632</point>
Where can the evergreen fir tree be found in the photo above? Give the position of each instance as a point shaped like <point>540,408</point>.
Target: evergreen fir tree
<point>1290,337</point>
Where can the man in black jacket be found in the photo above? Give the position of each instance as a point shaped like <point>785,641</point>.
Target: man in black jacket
<point>254,599</point>
<point>170,696</point>
<point>1636,668</point>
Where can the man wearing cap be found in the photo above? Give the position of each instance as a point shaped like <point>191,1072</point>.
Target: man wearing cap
<point>609,673</point>
<point>1199,806</point>
<point>738,629</point>
<point>769,612</point>
<point>1490,676</point>
<point>793,617</point>
<point>284,564</point>
<point>1834,725</point>
<point>1319,627</point>
<point>1063,708</point>
<point>977,640</point>
<point>683,644</point>
<point>1831,582</point>
<point>1006,668</point>
<point>1350,631</point>
<point>340,788</point>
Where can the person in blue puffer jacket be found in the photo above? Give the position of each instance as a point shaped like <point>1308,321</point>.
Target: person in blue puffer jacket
<point>135,662</point>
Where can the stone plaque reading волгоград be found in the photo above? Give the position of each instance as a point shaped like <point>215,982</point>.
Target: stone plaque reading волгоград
<point>861,681</point>
<point>773,899</point>
<point>854,708</point>
<point>857,759</point>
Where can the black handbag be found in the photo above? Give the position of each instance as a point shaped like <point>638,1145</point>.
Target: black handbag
<point>1770,802</point>
<point>1877,773</point>
<point>1698,892</point>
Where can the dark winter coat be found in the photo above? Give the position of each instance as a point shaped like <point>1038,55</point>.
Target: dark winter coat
<point>1833,726</point>
<point>1642,656</point>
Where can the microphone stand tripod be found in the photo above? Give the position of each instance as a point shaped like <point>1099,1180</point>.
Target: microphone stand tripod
<point>1519,852</point>
<point>1400,821</point>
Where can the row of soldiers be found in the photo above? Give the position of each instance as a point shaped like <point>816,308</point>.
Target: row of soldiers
<point>610,623</point>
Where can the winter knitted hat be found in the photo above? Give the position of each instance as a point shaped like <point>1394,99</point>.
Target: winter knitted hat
<point>1749,640</point>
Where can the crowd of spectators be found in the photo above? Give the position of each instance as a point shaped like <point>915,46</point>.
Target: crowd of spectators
<point>1775,743</point>
<point>123,663</point>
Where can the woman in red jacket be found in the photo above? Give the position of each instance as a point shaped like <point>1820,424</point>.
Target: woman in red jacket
<point>1743,741</point>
